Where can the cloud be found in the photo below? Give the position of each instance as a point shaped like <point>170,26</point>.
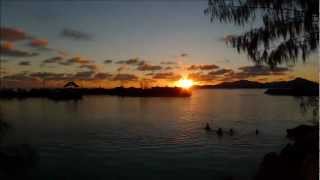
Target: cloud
<point>255,71</point>
<point>7,49</point>
<point>31,77</point>
<point>184,55</point>
<point>102,76</point>
<point>39,43</point>
<point>24,63</point>
<point>260,70</point>
<point>84,75</point>
<point>75,60</point>
<point>122,68</point>
<point>75,34</point>
<point>22,76</point>
<point>220,72</point>
<point>148,67</point>
<point>125,77</point>
<point>12,34</point>
<point>167,76</point>
<point>50,76</point>
<point>91,67</point>
<point>108,61</point>
<point>168,62</point>
<point>200,77</point>
<point>168,68</point>
<point>55,59</point>
<point>204,67</point>
<point>132,61</point>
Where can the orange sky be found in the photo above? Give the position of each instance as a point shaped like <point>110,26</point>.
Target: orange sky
<point>48,44</point>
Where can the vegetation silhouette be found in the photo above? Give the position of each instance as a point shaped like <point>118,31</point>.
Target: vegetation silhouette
<point>60,94</point>
<point>289,31</point>
<point>289,28</point>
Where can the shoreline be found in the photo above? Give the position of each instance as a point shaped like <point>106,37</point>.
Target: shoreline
<point>298,160</point>
<point>78,93</point>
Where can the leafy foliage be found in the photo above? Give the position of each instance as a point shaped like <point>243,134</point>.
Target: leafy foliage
<point>289,28</point>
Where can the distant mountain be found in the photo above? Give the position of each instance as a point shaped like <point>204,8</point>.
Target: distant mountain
<point>298,86</point>
<point>240,84</point>
<point>297,82</point>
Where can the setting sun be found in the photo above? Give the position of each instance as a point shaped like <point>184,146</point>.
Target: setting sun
<point>185,83</point>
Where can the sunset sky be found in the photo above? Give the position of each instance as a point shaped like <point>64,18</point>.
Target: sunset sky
<point>101,44</point>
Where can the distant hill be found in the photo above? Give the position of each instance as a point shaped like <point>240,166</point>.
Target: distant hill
<point>240,84</point>
<point>298,86</point>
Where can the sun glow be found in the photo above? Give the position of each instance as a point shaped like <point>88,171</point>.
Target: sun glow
<point>185,83</point>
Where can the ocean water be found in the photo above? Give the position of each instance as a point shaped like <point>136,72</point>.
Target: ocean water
<point>109,137</point>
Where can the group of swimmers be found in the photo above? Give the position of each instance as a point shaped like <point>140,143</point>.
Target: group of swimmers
<point>220,132</point>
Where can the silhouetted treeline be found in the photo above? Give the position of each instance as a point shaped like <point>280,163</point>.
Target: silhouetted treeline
<point>78,93</point>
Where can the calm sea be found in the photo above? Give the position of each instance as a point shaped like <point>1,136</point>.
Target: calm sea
<point>108,137</point>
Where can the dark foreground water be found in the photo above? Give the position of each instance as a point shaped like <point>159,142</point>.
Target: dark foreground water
<point>106,137</point>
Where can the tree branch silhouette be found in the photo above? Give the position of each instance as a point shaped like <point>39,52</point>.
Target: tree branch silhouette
<point>289,28</point>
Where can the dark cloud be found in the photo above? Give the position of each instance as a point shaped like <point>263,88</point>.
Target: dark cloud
<point>200,77</point>
<point>84,75</point>
<point>167,76</point>
<point>12,34</point>
<point>24,63</point>
<point>102,76</point>
<point>280,70</point>
<point>55,59</point>
<point>168,68</point>
<point>122,68</point>
<point>260,70</point>
<point>91,67</point>
<point>75,60</point>
<point>150,74</point>
<point>108,61</point>
<point>75,34</point>
<point>50,76</point>
<point>23,76</point>
<point>148,67</point>
<point>220,72</point>
<point>168,62</point>
<point>184,55</point>
<point>7,49</point>
<point>262,79</point>
<point>39,43</point>
<point>133,61</point>
<point>125,77</point>
<point>255,71</point>
<point>203,67</point>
